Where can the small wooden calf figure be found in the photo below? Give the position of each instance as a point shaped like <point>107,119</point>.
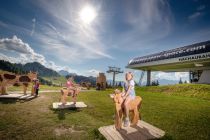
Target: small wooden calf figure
<point>65,93</point>
<point>134,107</point>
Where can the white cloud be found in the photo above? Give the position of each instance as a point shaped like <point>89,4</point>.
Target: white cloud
<point>65,35</point>
<point>201,7</point>
<point>145,14</point>
<point>199,12</point>
<point>25,52</point>
<point>33,26</point>
<point>148,20</point>
<point>157,75</point>
<point>15,46</point>
<point>195,15</point>
<point>92,72</point>
<point>52,65</point>
<point>174,76</point>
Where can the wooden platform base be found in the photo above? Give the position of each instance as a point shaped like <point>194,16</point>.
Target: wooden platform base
<point>58,105</point>
<point>17,96</point>
<point>143,131</point>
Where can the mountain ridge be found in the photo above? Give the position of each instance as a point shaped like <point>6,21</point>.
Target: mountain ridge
<point>25,68</point>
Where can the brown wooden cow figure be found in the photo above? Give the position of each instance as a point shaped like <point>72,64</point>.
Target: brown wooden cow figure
<point>134,107</point>
<point>11,78</point>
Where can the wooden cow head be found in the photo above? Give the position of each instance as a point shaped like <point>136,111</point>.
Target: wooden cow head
<point>32,75</point>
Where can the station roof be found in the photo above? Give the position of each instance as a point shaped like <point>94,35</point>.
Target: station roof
<point>191,57</point>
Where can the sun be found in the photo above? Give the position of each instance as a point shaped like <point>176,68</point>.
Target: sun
<point>87,14</point>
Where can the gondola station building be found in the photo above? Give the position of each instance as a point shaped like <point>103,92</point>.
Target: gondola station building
<point>194,59</point>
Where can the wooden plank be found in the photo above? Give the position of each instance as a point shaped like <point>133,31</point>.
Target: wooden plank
<point>11,96</point>
<point>152,128</point>
<point>58,105</point>
<point>30,97</point>
<point>17,96</point>
<point>24,97</point>
<point>103,131</point>
<point>143,131</point>
<point>134,133</point>
<point>111,131</point>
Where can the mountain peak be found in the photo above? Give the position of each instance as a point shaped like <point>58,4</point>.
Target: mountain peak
<point>63,72</point>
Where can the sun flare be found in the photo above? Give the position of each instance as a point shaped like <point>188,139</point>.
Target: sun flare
<point>87,14</point>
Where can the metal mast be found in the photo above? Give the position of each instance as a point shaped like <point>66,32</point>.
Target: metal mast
<point>115,71</point>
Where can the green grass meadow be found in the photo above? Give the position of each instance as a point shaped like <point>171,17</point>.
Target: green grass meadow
<point>182,111</point>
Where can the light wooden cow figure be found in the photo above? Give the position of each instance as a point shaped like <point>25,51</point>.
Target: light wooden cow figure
<point>11,78</point>
<point>134,107</point>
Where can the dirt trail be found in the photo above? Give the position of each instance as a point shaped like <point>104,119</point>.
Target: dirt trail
<point>43,91</point>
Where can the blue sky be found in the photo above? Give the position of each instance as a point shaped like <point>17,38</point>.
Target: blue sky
<point>52,32</point>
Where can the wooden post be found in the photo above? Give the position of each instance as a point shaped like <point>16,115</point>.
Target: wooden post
<point>113,83</point>
<point>148,77</point>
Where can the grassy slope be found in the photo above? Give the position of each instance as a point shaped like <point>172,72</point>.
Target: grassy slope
<point>181,117</point>
<point>56,80</point>
<point>190,90</point>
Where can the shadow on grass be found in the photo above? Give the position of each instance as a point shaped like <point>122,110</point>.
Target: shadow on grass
<point>14,100</point>
<point>8,101</point>
<point>61,113</point>
<point>98,135</point>
<point>165,137</point>
<point>144,132</point>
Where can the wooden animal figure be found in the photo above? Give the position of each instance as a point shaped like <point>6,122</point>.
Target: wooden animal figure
<point>101,82</point>
<point>1,88</point>
<point>11,78</point>
<point>118,100</point>
<point>64,95</point>
<point>86,85</point>
<point>7,79</point>
<point>134,107</point>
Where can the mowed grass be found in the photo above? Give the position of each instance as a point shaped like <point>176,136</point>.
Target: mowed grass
<point>181,117</point>
<point>42,88</point>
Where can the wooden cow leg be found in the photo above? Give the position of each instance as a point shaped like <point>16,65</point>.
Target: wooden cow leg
<point>118,117</point>
<point>64,95</point>
<point>3,90</point>
<point>135,117</point>
<point>24,89</point>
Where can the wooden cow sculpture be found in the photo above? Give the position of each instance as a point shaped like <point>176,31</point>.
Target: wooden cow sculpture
<point>134,107</point>
<point>11,79</point>
<point>85,85</point>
